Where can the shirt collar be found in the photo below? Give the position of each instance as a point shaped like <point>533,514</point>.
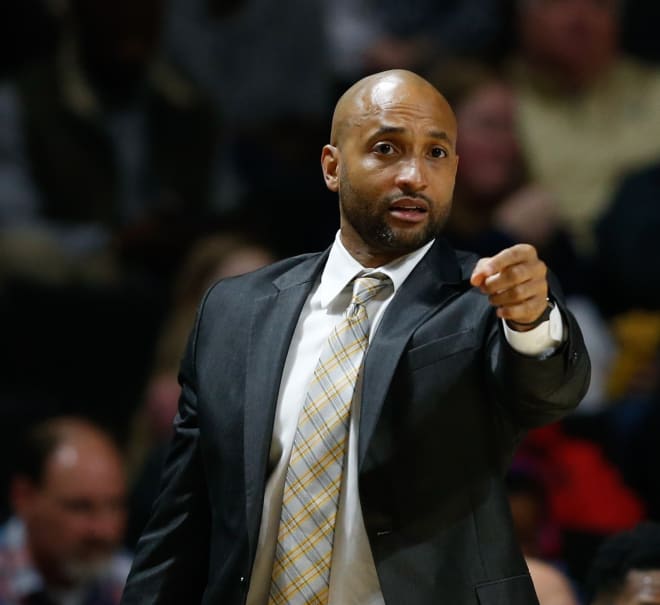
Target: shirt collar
<point>24,578</point>
<point>341,268</point>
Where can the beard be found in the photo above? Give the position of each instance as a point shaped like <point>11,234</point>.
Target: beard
<point>80,571</point>
<point>370,219</point>
<point>88,564</point>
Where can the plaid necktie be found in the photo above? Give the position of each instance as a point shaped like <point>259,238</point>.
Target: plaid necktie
<point>301,571</point>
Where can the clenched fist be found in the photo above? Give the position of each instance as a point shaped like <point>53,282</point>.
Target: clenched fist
<point>515,281</point>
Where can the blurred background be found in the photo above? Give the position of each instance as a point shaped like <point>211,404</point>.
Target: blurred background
<point>148,148</point>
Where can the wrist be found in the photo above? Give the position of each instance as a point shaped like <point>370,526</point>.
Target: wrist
<point>521,326</point>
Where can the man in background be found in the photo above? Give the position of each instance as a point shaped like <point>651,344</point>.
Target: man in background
<point>580,93</point>
<point>61,547</point>
<point>626,569</point>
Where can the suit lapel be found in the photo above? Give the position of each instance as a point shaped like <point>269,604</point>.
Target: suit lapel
<point>273,322</point>
<point>434,281</point>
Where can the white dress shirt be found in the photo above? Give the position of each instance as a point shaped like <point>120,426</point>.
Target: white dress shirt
<point>353,578</point>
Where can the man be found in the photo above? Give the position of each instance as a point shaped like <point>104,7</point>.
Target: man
<point>86,177</point>
<point>251,509</point>
<point>572,78</point>
<point>626,568</point>
<point>68,493</point>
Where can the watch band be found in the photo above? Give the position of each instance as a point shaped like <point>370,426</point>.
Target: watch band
<point>545,316</point>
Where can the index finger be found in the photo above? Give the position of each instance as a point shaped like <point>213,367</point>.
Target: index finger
<point>509,256</point>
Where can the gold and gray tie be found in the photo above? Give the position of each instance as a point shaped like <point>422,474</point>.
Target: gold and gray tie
<point>301,571</point>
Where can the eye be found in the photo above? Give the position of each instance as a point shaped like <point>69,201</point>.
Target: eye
<point>384,148</point>
<point>438,152</point>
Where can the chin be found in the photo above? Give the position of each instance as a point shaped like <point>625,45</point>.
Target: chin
<point>402,242</point>
<point>409,238</point>
<point>80,571</point>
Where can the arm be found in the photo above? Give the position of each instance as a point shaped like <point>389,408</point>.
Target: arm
<point>171,559</point>
<point>534,390</point>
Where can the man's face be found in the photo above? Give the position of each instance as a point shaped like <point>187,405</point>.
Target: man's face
<point>396,170</point>
<point>574,37</point>
<point>488,145</point>
<point>75,518</point>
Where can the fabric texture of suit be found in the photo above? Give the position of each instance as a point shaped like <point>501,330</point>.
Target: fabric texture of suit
<point>444,402</point>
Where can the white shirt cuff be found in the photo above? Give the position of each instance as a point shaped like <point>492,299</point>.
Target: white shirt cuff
<point>541,341</point>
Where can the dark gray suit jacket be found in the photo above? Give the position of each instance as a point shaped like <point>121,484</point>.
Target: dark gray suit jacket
<point>445,400</point>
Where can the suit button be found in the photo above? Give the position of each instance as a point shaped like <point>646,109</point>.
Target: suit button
<point>574,357</point>
<point>242,580</point>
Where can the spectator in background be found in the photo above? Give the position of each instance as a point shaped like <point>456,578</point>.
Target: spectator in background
<point>587,497</point>
<point>491,167</point>
<point>579,93</point>
<point>106,176</point>
<point>642,456</point>
<point>106,149</point>
<point>366,35</point>
<point>626,568</point>
<point>626,232</point>
<point>212,258</point>
<point>629,293</point>
<point>254,56</point>
<point>536,530</point>
<point>266,65</point>
<point>495,201</point>
<point>61,547</point>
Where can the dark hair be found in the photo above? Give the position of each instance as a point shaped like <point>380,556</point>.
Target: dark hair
<point>638,548</point>
<point>41,440</point>
<point>35,448</point>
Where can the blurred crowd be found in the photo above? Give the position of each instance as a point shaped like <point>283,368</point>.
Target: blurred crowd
<point>150,148</point>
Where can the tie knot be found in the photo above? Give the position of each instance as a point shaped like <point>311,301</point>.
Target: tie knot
<point>367,286</point>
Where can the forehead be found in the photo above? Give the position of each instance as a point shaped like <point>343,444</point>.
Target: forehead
<point>81,467</point>
<point>412,107</point>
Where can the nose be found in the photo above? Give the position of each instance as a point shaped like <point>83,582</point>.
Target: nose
<point>411,176</point>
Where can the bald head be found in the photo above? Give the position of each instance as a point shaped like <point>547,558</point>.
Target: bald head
<point>392,161</point>
<point>46,441</point>
<point>379,91</point>
<point>69,491</point>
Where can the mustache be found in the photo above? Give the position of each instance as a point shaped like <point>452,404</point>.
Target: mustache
<point>98,546</point>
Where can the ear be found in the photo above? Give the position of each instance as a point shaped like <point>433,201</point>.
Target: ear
<point>22,494</point>
<point>330,166</point>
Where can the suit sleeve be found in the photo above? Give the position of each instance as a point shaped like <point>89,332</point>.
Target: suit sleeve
<point>171,558</point>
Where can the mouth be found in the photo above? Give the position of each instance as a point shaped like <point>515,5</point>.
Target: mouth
<point>409,210</point>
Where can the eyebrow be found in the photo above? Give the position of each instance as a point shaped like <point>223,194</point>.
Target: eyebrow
<point>434,134</point>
